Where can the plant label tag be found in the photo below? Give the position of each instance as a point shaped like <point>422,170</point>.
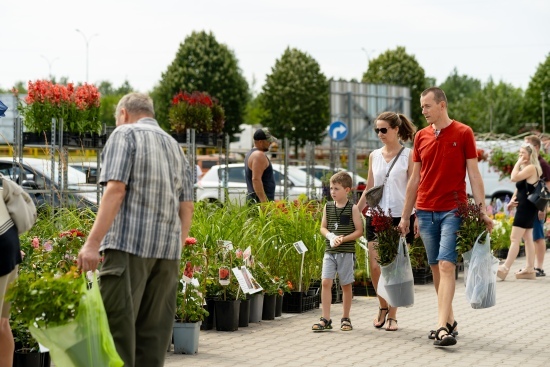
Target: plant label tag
<point>226,245</point>
<point>300,247</point>
<point>224,273</point>
<point>42,348</point>
<point>246,281</point>
<point>247,252</point>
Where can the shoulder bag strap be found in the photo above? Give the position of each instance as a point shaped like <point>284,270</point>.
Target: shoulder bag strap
<point>393,164</point>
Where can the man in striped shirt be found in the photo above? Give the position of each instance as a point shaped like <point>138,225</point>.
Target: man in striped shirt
<point>142,222</point>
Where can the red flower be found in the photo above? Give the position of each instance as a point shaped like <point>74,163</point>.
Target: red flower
<point>190,241</point>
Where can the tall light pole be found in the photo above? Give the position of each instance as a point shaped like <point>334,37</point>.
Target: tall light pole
<point>368,53</point>
<point>50,63</point>
<point>87,40</point>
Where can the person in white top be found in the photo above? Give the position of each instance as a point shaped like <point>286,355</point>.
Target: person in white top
<point>391,127</point>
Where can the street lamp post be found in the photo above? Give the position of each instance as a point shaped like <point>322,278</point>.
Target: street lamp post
<point>50,63</point>
<point>87,40</point>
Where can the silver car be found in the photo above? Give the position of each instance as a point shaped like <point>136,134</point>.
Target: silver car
<point>212,185</point>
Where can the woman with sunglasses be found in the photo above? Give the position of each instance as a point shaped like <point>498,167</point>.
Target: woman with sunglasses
<point>391,127</point>
<point>525,174</point>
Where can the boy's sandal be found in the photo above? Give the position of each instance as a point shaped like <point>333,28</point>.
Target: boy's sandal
<point>390,320</point>
<point>345,324</point>
<point>327,325</point>
<point>379,315</point>
<point>446,340</point>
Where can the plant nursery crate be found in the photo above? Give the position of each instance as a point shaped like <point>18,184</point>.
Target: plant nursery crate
<point>299,302</point>
<point>364,290</point>
<point>423,279</point>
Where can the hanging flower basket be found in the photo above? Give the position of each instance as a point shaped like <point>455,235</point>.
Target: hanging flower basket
<point>77,106</point>
<point>197,111</point>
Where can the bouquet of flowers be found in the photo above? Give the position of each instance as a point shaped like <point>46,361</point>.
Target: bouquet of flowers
<point>471,227</point>
<point>387,235</point>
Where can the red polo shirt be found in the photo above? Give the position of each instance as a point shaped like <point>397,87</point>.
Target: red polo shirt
<point>443,171</point>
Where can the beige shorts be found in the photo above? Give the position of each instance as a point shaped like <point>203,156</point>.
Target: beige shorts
<point>5,281</point>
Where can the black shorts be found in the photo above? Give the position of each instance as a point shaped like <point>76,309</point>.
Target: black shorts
<point>371,234</point>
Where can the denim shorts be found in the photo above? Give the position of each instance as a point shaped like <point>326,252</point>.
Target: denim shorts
<point>341,263</point>
<point>438,232</point>
<point>538,229</point>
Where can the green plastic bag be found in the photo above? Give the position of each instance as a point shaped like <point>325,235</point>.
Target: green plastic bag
<point>85,341</point>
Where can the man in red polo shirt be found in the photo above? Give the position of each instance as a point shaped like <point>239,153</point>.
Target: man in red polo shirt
<point>443,152</point>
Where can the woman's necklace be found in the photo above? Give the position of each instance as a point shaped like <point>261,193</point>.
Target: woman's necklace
<point>339,216</point>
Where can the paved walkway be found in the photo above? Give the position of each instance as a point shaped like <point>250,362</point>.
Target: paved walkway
<point>513,333</point>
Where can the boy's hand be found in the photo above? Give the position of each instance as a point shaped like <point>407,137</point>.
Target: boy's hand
<point>338,241</point>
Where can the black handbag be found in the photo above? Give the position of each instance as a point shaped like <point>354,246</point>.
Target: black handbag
<point>540,196</point>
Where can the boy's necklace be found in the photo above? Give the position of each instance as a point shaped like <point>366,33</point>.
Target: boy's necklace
<point>339,216</point>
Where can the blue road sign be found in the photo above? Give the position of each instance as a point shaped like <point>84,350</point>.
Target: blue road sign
<point>338,131</point>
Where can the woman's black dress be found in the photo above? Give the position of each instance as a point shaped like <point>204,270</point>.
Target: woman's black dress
<point>526,212</point>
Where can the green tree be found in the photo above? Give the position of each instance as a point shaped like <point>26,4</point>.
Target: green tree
<point>295,98</point>
<point>204,65</point>
<point>499,109</point>
<point>462,93</point>
<point>396,67</point>
<point>109,100</point>
<point>539,86</point>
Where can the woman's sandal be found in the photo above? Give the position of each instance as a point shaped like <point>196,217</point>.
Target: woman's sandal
<point>445,340</point>
<point>327,325</point>
<point>345,324</point>
<point>378,319</point>
<point>390,320</point>
<point>451,329</point>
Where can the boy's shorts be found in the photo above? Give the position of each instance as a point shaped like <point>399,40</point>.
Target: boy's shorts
<point>341,263</point>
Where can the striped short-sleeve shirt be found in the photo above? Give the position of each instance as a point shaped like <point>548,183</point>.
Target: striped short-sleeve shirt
<point>157,177</point>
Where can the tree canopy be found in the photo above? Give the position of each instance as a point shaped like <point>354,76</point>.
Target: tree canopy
<point>396,67</point>
<point>295,98</point>
<point>538,87</point>
<point>202,64</point>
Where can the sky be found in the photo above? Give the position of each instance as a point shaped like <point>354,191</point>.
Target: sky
<point>137,40</point>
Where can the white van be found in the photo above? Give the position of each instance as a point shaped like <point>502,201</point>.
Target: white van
<point>495,188</point>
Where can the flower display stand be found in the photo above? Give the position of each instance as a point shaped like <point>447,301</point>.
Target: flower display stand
<point>186,337</point>
<point>30,138</point>
<point>268,311</point>
<point>227,315</point>
<point>256,307</point>
<point>244,313</point>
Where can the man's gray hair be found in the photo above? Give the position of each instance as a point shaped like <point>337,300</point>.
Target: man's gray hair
<point>136,104</point>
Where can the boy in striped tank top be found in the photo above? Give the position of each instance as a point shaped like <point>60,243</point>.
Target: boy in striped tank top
<point>341,226</point>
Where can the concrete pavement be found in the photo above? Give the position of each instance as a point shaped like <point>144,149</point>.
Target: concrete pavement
<point>515,332</point>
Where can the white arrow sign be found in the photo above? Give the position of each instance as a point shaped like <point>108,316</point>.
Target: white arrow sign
<point>338,130</point>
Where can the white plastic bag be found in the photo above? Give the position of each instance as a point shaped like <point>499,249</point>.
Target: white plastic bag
<point>480,274</point>
<point>396,284</point>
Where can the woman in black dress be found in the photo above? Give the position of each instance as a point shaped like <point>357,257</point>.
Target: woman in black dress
<point>525,174</point>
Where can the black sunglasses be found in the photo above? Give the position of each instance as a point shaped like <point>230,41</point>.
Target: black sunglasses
<point>383,130</point>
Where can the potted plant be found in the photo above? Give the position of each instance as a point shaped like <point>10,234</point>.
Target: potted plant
<point>198,111</point>
<point>189,306</point>
<point>270,292</point>
<point>471,226</point>
<point>78,107</point>
<point>500,236</point>
<point>419,261</point>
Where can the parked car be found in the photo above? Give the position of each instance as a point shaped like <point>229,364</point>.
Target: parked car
<point>89,169</point>
<point>207,188</point>
<point>34,175</point>
<point>324,172</point>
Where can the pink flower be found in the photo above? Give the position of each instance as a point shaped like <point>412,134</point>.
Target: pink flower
<point>35,242</point>
<point>239,253</point>
<point>48,246</point>
<point>190,241</point>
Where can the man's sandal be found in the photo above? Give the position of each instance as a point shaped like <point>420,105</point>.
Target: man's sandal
<point>327,325</point>
<point>451,329</point>
<point>446,340</point>
<point>390,320</point>
<point>345,324</point>
<point>379,315</point>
